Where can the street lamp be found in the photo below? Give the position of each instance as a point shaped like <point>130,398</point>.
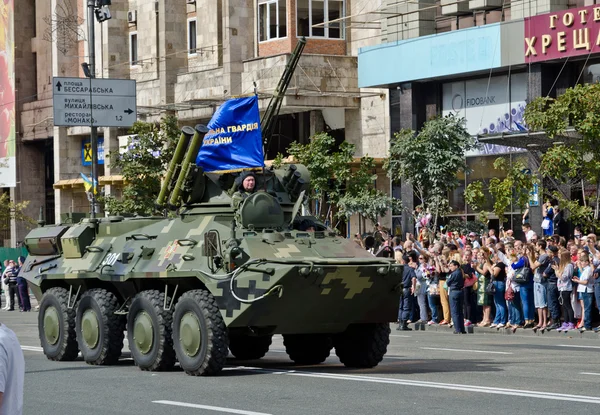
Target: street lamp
<point>99,10</point>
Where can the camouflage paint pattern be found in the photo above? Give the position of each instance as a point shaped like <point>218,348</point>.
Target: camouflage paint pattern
<point>313,281</point>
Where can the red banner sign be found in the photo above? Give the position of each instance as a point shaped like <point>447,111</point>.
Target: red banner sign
<point>570,32</point>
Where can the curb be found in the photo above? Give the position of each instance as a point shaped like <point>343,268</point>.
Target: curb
<point>416,327</point>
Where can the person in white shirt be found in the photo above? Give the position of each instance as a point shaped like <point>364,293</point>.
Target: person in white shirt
<point>585,289</point>
<point>12,373</point>
<point>529,233</point>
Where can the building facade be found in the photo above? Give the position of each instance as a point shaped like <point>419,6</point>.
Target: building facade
<point>483,60</point>
<point>186,57</point>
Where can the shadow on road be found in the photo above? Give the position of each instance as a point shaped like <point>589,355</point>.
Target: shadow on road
<point>387,367</point>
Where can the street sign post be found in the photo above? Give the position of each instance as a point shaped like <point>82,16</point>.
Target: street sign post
<point>94,102</point>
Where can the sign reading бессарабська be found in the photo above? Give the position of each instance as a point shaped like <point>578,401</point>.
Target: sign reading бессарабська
<point>570,32</point>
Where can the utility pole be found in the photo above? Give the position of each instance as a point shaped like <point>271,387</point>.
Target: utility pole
<point>97,9</point>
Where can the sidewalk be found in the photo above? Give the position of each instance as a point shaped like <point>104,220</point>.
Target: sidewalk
<point>487,330</point>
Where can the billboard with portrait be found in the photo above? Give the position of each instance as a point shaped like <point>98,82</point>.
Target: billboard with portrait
<point>7,96</point>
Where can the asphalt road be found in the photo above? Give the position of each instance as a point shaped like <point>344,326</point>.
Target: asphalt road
<point>425,372</point>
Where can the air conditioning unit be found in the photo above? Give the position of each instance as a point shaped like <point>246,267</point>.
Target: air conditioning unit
<point>132,16</point>
<point>190,1</point>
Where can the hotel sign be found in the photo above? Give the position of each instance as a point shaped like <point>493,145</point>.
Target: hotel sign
<point>570,32</point>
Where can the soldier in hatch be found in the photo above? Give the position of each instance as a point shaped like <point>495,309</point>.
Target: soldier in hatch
<point>246,185</point>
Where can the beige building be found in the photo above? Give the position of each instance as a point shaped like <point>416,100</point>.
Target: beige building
<point>186,57</point>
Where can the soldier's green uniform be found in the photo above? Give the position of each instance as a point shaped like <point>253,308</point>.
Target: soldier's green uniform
<point>242,193</point>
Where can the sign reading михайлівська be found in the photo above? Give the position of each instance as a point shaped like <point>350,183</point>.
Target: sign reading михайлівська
<point>96,102</point>
<point>570,32</point>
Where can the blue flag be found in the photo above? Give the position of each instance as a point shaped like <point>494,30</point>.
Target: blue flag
<point>234,140</point>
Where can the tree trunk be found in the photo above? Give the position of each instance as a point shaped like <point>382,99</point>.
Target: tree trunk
<point>597,198</point>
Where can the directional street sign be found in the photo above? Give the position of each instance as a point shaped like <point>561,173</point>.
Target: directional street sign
<point>94,102</point>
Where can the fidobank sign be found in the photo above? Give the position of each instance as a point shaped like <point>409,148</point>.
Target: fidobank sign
<point>94,102</point>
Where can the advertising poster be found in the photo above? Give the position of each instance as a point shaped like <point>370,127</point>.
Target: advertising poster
<point>490,106</point>
<point>7,96</point>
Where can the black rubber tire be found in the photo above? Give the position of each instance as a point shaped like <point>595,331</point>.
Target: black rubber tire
<point>161,355</point>
<point>307,349</point>
<point>249,347</point>
<point>212,354</point>
<point>111,327</point>
<point>66,348</point>
<point>362,345</point>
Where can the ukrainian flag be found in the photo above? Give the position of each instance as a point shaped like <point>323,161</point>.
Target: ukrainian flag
<point>87,184</point>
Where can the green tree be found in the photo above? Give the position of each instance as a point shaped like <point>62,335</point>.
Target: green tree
<point>335,184</point>
<point>514,189</point>
<point>143,165</point>
<point>11,210</point>
<point>430,160</point>
<point>579,161</point>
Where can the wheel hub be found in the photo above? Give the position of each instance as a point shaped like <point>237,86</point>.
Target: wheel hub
<point>90,328</point>
<point>189,334</point>
<point>51,325</point>
<point>143,332</point>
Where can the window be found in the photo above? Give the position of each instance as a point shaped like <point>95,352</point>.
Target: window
<point>133,49</point>
<point>272,19</point>
<point>192,36</point>
<point>314,12</point>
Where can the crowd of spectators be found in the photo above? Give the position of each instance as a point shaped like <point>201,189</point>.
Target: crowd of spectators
<point>543,282</point>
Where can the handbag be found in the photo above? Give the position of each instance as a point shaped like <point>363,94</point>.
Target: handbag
<point>522,275</point>
<point>546,224</point>
<point>490,288</point>
<point>509,294</point>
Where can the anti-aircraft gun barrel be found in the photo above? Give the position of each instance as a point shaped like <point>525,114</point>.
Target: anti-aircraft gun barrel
<point>182,144</point>
<point>269,119</point>
<point>190,155</point>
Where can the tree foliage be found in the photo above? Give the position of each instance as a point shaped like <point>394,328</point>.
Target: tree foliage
<point>579,161</point>
<point>514,189</point>
<point>11,210</point>
<point>431,160</point>
<point>335,183</point>
<point>142,165</point>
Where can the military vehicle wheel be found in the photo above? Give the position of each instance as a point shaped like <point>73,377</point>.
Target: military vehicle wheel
<point>56,326</point>
<point>249,347</point>
<point>99,330</point>
<point>199,333</point>
<point>307,349</point>
<point>149,331</point>
<point>362,345</point>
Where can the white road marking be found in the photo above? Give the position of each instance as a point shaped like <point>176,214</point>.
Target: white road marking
<point>400,335</point>
<point>210,408</point>
<point>589,373</point>
<point>32,348</point>
<point>463,350</point>
<point>434,385</point>
<point>578,347</point>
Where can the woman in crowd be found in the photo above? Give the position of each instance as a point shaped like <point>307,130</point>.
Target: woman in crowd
<point>484,267</point>
<point>455,282</point>
<point>499,278</point>
<point>515,311</point>
<point>564,271</point>
<point>586,289</point>
<point>442,270</point>
<point>540,296</point>
<point>421,291</point>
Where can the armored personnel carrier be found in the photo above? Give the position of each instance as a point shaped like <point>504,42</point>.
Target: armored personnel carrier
<point>217,278</point>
